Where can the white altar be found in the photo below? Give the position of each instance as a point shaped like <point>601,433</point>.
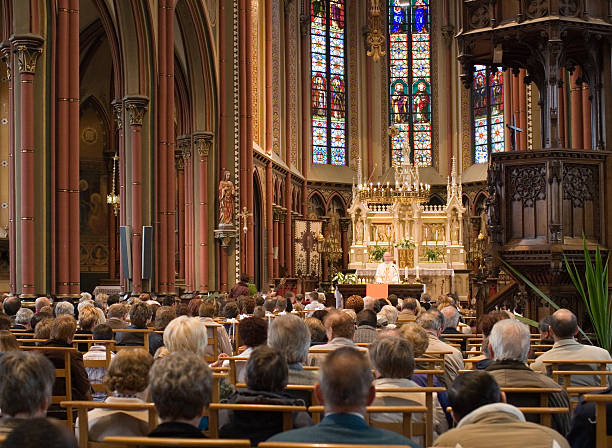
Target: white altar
<point>426,241</point>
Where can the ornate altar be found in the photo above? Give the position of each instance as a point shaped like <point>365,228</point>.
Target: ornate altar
<point>426,240</point>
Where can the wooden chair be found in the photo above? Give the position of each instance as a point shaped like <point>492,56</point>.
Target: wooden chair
<point>213,341</point>
<point>286,411</point>
<point>83,407</point>
<point>144,332</point>
<point>60,373</point>
<point>407,428</point>
<point>318,445</point>
<point>519,393</point>
<point>563,371</point>
<point>30,342</point>
<point>602,439</point>
<point>234,361</point>
<point>431,374</point>
<point>99,363</point>
<point>166,441</point>
<point>428,391</point>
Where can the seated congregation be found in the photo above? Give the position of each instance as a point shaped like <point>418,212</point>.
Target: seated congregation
<point>289,370</point>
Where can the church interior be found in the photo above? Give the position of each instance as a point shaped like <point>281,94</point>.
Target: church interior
<point>451,153</point>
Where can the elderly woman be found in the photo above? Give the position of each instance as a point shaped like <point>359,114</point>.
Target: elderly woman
<point>289,335</point>
<point>8,342</point>
<point>316,330</point>
<point>88,319</point>
<point>387,317</point>
<point>184,334</point>
<point>266,378</point>
<point>127,378</point>
<point>393,362</point>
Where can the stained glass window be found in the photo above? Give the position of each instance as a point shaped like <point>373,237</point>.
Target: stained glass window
<point>328,82</point>
<point>488,110</point>
<point>410,79</point>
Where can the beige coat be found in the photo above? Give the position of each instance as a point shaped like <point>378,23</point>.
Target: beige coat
<point>500,425</point>
<point>109,422</point>
<point>452,363</point>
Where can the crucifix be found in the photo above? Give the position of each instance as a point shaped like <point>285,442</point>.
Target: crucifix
<point>513,130</point>
<point>244,215</point>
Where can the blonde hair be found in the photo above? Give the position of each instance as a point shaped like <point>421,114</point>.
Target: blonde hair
<point>186,334</point>
<point>89,318</point>
<point>418,336</point>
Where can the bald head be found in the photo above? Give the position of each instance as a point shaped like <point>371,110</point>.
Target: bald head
<point>346,381</point>
<point>451,317</point>
<point>40,302</point>
<point>564,324</point>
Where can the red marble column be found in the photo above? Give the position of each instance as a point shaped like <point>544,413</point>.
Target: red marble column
<point>225,120</point>
<point>203,143</point>
<point>118,112</point>
<point>507,107</point>
<point>515,119</point>
<point>288,220</point>
<point>7,57</point>
<point>162,152</point>
<point>245,179</point>
<point>269,224</point>
<point>189,258</point>
<point>27,50</point>
<point>275,239</point>
<point>586,117</point>
<point>562,109</point>
<point>282,259</point>
<point>249,140</point>
<point>180,180</point>
<point>73,152</point>
<point>136,107</point>
<point>171,176</point>
<point>522,117</point>
<point>576,109</point>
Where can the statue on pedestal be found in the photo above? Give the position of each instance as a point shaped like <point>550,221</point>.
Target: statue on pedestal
<point>226,201</point>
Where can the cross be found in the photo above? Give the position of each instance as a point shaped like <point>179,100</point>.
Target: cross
<point>513,130</point>
<point>244,216</point>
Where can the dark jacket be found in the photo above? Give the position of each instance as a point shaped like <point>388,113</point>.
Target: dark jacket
<point>177,430</point>
<point>239,289</point>
<point>81,389</point>
<point>343,428</point>
<point>258,426</point>
<point>137,339</point>
<point>517,374</point>
<point>582,434</point>
<point>451,331</point>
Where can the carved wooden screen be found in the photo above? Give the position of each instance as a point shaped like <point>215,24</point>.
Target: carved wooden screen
<point>527,211</point>
<point>581,201</point>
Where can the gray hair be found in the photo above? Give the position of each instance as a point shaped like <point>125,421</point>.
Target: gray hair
<point>345,380</point>
<point>181,385</point>
<point>42,301</point>
<point>431,321</point>
<point>390,313</point>
<point>451,316</point>
<point>509,340</point>
<point>392,357</point>
<point>27,381</point>
<point>83,303</point>
<point>23,316</point>
<point>289,335</point>
<point>369,303</point>
<point>64,308</point>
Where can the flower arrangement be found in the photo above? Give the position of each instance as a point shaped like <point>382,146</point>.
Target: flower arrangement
<point>406,243</point>
<point>344,279</point>
<point>433,254</point>
<point>377,253</point>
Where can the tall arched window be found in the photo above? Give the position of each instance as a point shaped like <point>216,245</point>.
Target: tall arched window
<point>488,110</point>
<point>410,92</point>
<point>328,82</point>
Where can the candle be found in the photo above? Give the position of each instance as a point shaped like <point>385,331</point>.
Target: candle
<point>406,272</point>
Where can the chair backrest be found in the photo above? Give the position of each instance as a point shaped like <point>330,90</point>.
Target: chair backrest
<point>236,363</point>
<point>83,407</point>
<point>286,411</point>
<point>523,397</point>
<point>145,336</point>
<point>99,363</point>
<point>213,341</point>
<point>567,373</point>
<point>602,439</point>
<point>167,441</point>
<point>318,445</point>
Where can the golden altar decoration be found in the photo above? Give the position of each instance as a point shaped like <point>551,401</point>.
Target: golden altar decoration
<point>386,214</point>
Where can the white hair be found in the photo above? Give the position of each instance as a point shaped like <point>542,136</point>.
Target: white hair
<point>390,313</point>
<point>509,340</point>
<point>84,303</point>
<point>64,308</point>
<point>23,316</point>
<point>187,334</point>
<point>369,303</point>
<point>85,296</point>
<point>451,316</point>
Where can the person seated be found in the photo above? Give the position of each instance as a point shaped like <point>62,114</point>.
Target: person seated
<point>366,327</point>
<point>354,303</point>
<point>345,390</point>
<point>281,306</point>
<point>582,432</point>
<point>117,316</point>
<point>316,330</point>
<point>314,303</point>
<point>97,352</point>
<point>451,320</point>
<point>563,328</point>
<point>140,315</point>
<point>299,303</point>
<point>5,322</point>
<point>63,307</point>
<point>208,310</point>
<point>241,288</point>
<point>393,362</point>
<point>62,332</point>
<point>127,378</point>
<point>483,419</point>
<point>387,317</point>
<point>8,342</point>
<point>509,349</point>
<point>88,319</point>
<point>433,322</point>
<point>181,386</point>
<point>25,389</point>
<point>246,304</point>
<point>41,302</point>
<point>544,328</point>
<point>289,335</point>
<point>40,432</point>
<point>22,319</point>
<point>266,378</point>
<point>410,310</point>
<point>184,334</point>
<point>340,330</point>
<point>11,306</point>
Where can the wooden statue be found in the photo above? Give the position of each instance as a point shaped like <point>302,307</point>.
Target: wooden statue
<point>226,201</point>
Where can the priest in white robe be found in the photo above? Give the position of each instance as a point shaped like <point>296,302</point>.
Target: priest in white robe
<point>387,272</point>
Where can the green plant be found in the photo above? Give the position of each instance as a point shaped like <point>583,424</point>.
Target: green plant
<point>406,243</point>
<point>596,296</point>
<point>433,254</point>
<point>377,253</point>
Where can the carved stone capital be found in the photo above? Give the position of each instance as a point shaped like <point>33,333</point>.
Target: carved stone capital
<point>27,48</point>
<point>345,223</point>
<point>179,161</point>
<point>184,145</point>
<point>202,142</point>
<point>136,107</point>
<point>5,49</point>
<point>118,112</point>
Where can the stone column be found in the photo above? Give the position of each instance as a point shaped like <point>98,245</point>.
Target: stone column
<point>275,239</point>
<point>346,247</point>
<point>185,146</point>
<point>576,109</point>
<point>586,117</point>
<point>179,163</point>
<point>136,107</point>
<point>203,142</point>
<point>171,173</point>
<point>288,221</point>
<point>27,49</point>
<point>118,113</point>
<point>282,259</point>
<point>269,225</point>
